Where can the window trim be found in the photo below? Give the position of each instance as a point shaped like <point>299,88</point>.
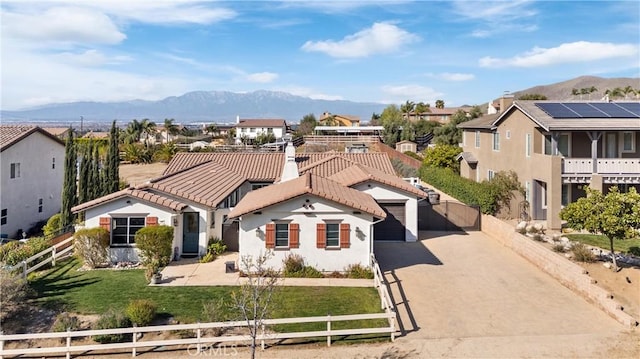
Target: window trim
<point>40,205</point>
<point>543,195</point>
<point>508,135</point>
<point>496,141</point>
<point>4,214</point>
<point>490,174</point>
<point>130,242</point>
<point>326,235</point>
<point>15,170</point>
<point>477,139</point>
<point>276,231</point>
<point>527,145</point>
<point>633,142</point>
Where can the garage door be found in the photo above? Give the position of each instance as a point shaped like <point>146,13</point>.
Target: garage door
<point>392,228</point>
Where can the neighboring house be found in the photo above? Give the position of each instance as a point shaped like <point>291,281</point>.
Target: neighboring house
<point>329,119</point>
<point>442,115</point>
<point>32,161</point>
<point>404,146</point>
<point>199,190</point>
<point>60,132</point>
<point>556,149</point>
<point>99,135</point>
<point>249,129</point>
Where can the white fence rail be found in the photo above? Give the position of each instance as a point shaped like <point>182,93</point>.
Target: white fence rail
<point>385,299</point>
<point>196,343</point>
<point>56,254</point>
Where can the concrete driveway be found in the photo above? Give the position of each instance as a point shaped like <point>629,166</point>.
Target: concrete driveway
<point>464,295</point>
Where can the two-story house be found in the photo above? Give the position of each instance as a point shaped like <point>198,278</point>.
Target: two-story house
<point>32,168</point>
<point>557,149</point>
<point>250,129</point>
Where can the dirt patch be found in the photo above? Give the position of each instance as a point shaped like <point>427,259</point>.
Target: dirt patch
<point>136,174</point>
<point>624,285</point>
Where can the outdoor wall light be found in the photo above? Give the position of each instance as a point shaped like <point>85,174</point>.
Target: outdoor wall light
<point>260,233</point>
<point>360,234</point>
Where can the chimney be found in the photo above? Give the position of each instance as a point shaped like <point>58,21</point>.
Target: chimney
<point>290,168</point>
<point>237,119</point>
<point>505,101</point>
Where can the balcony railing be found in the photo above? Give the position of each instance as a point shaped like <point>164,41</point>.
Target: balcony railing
<point>621,166</point>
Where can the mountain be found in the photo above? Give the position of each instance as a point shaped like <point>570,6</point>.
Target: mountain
<point>561,91</point>
<point>199,106</point>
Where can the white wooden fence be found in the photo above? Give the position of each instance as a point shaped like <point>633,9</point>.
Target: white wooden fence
<point>56,253</point>
<point>196,343</point>
<point>385,299</point>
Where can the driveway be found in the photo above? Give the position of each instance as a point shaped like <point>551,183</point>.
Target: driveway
<point>463,294</point>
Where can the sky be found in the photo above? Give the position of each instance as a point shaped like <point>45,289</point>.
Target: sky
<point>462,52</point>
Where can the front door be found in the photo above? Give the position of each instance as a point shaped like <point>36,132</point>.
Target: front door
<point>190,233</point>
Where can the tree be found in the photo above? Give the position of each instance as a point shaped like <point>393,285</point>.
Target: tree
<point>147,129</point>
<point>69,185</point>
<point>96,175</point>
<point>628,90</point>
<point>532,96</point>
<point>407,108</point>
<point>170,127</point>
<point>450,133</point>
<point>375,119</point>
<point>264,137</point>
<point>439,104</point>
<point>421,108</point>
<point>443,156</point>
<point>84,184</point>
<point>211,129</point>
<point>112,174</point>
<point>575,92</point>
<point>615,215</point>
<point>616,92</point>
<point>252,300</point>
<point>423,127</point>
<point>392,121</point>
<point>133,132</point>
<point>307,124</point>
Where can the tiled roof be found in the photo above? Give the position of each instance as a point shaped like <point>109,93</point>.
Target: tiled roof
<point>12,134</point>
<point>267,167</point>
<point>262,123</point>
<point>357,174</point>
<point>467,156</point>
<point>327,166</point>
<point>92,134</point>
<point>135,193</point>
<point>484,122</point>
<point>307,184</point>
<point>208,183</point>
<point>56,131</point>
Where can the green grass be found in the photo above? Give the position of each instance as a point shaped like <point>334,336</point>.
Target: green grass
<point>596,240</point>
<point>95,291</point>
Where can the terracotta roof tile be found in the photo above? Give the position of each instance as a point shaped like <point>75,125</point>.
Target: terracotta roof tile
<point>262,123</point>
<point>12,134</point>
<point>307,184</point>
<point>358,173</point>
<point>135,193</point>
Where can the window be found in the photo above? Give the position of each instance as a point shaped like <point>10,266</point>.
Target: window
<point>53,163</point>
<point>543,194</point>
<point>282,235</point>
<point>15,170</point>
<point>508,134</point>
<point>527,145</point>
<point>477,139</point>
<point>255,186</point>
<point>244,130</point>
<point>270,130</point>
<point>231,200</point>
<point>40,205</point>
<point>333,234</point>
<point>490,174</point>
<point>628,142</point>
<point>123,229</point>
<point>252,129</point>
<point>527,191</point>
<point>496,141</point>
<point>3,217</point>
<point>563,145</point>
<point>566,192</point>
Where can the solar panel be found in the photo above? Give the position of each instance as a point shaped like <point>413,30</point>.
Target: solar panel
<point>557,110</point>
<point>585,110</point>
<point>613,109</point>
<point>631,106</point>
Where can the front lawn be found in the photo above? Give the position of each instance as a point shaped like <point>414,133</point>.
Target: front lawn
<point>95,291</point>
<point>596,240</point>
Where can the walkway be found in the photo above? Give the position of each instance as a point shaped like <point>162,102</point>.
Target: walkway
<point>190,272</point>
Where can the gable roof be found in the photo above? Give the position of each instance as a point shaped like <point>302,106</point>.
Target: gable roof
<point>265,122</point>
<point>146,196</point>
<point>12,134</point>
<point>307,184</point>
<point>358,173</point>
<point>327,166</point>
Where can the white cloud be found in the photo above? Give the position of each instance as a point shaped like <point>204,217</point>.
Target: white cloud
<point>381,38</point>
<point>90,58</point>
<point>416,93</point>
<point>573,52</point>
<point>262,77</point>
<point>497,17</point>
<point>308,92</point>
<point>454,76</point>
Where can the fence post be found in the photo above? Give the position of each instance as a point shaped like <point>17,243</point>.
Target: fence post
<point>53,256</point>
<point>1,345</point>
<point>24,269</point>
<point>393,327</point>
<point>68,343</point>
<point>328,330</point>
<point>135,339</point>
<point>262,341</point>
<point>199,335</point>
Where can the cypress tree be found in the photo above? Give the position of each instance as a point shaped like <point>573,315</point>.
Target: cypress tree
<point>69,186</point>
<point>112,178</point>
<point>97,182</point>
<point>84,181</point>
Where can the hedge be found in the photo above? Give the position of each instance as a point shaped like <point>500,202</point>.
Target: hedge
<point>465,190</point>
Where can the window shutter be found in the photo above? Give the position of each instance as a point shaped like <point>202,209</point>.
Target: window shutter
<point>321,235</point>
<point>270,241</point>
<point>152,221</point>
<point>294,229</point>
<point>345,233</point>
<point>105,222</point>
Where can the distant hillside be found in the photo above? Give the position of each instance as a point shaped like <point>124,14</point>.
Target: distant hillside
<point>199,106</point>
<point>561,91</point>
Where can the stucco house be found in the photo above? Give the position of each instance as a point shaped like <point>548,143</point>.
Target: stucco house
<point>557,149</point>
<point>329,119</point>
<point>207,195</point>
<point>249,129</point>
<point>32,161</point>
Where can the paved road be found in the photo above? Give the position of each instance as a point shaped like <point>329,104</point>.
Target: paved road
<point>465,295</point>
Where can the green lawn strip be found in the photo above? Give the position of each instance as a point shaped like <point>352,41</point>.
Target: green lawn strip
<point>93,292</point>
<point>596,240</point>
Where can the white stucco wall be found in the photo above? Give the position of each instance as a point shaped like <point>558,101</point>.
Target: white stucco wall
<point>20,196</point>
<point>251,243</point>
<point>277,132</point>
<point>389,194</point>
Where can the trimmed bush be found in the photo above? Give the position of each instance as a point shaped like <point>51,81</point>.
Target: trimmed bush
<point>141,311</point>
<point>15,252</point>
<point>357,271</point>
<point>91,246</point>
<point>294,267</point>
<point>582,253</point>
<point>465,190</point>
<point>402,169</point>
<point>64,322</point>
<point>112,319</point>
<point>54,224</point>
<point>154,243</point>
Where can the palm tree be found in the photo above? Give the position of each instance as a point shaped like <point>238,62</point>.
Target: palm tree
<point>211,128</point>
<point>439,104</point>
<point>575,92</point>
<point>170,127</point>
<point>132,132</point>
<point>407,108</point>
<point>592,89</point>
<point>616,92</point>
<point>148,129</point>
<point>627,90</point>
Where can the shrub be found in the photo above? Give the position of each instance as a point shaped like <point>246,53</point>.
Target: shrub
<point>582,253</point>
<point>443,156</point>
<point>141,311</point>
<point>293,263</point>
<point>154,243</point>
<point>559,248</point>
<point>15,252</point>
<point>469,192</point>
<point>335,274</point>
<point>402,169</point>
<point>13,289</point>
<point>91,245</point>
<point>413,155</point>
<point>54,224</point>
<point>111,319</point>
<point>635,251</point>
<point>6,251</point>
<point>215,248</point>
<point>64,322</point>
<point>357,271</point>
